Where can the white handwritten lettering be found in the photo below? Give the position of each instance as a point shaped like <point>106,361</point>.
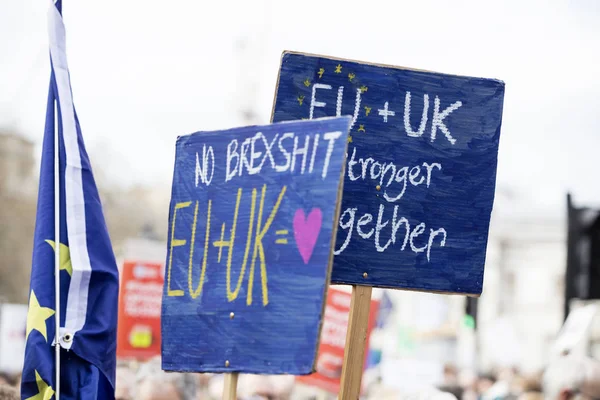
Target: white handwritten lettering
<point>286,154</point>
<point>331,137</point>
<point>231,154</point>
<point>268,149</point>
<point>314,153</point>
<point>313,101</point>
<point>202,172</point>
<point>254,155</point>
<point>300,152</point>
<point>364,220</point>
<point>409,236</point>
<point>438,119</point>
<point>422,124</point>
<point>349,226</point>
<point>289,151</point>
<point>243,155</point>
<point>388,173</point>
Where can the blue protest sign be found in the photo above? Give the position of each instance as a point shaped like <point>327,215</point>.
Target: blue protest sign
<point>420,173</point>
<point>251,234</point>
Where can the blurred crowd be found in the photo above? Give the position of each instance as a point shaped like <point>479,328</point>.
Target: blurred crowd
<point>568,377</point>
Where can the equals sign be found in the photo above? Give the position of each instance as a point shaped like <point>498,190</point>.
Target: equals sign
<point>282,240</point>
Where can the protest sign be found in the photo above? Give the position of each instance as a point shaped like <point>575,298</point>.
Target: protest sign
<point>251,232</point>
<point>138,334</point>
<point>420,178</point>
<point>333,338</point>
<point>420,173</point>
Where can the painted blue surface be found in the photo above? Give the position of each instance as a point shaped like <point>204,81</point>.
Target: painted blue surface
<point>271,331</point>
<point>460,193</point>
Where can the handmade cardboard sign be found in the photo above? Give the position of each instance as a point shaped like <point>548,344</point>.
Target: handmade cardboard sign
<point>333,339</point>
<point>251,234</point>
<point>420,173</point>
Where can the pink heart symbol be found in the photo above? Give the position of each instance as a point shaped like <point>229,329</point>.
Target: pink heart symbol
<point>306,231</point>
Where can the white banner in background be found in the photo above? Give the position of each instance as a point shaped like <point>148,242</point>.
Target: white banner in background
<point>574,333</point>
<point>13,323</point>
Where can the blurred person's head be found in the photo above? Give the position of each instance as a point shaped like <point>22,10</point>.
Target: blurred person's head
<point>455,390</point>
<point>532,384</point>
<point>467,379</point>
<point>450,374</point>
<point>10,379</point>
<point>8,393</point>
<point>204,379</point>
<point>422,393</point>
<point>276,387</point>
<point>517,386</point>
<point>572,377</point>
<point>531,396</point>
<point>17,380</point>
<point>484,383</point>
<point>506,374</point>
<point>157,390</point>
<point>152,383</point>
<point>125,383</point>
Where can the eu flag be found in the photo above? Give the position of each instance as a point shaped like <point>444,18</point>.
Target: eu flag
<point>89,280</point>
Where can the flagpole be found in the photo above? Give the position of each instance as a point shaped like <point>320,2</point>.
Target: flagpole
<point>57,253</point>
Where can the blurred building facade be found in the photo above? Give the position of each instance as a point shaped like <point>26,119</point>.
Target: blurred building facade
<point>130,212</point>
<point>521,309</point>
<point>17,210</point>
<point>17,164</point>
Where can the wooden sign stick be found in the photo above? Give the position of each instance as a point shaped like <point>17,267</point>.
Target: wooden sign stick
<point>230,388</point>
<point>356,337</point>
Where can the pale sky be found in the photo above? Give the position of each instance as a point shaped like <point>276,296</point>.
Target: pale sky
<point>144,72</point>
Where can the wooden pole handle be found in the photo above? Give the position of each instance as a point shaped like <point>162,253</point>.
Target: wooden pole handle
<point>230,388</point>
<point>356,337</point>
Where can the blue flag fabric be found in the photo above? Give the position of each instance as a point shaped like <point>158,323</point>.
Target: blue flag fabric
<point>385,309</point>
<point>89,279</point>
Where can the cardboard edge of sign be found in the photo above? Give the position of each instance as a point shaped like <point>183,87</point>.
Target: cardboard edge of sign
<point>300,53</point>
<point>408,289</point>
<point>336,216</point>
<point>182,139</point>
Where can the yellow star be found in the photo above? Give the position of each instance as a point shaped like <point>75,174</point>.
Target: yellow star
<point>338,69</point>
<point>45,391</point>
<point>349,139</point>
<point>351,76</point>
<point>65,257</point>
<point>361,128</point>
<point>363,89</point>
<point>300,99</point>
<point>307,82</point>
<point>367,111</point>
<point>321,72</point>
<point>37,316</point>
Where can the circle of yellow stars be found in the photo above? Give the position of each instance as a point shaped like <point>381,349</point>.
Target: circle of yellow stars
<point>352,78</point>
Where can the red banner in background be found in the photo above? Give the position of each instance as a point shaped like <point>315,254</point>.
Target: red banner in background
<point>139,310</point>
<point>333,339</point>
